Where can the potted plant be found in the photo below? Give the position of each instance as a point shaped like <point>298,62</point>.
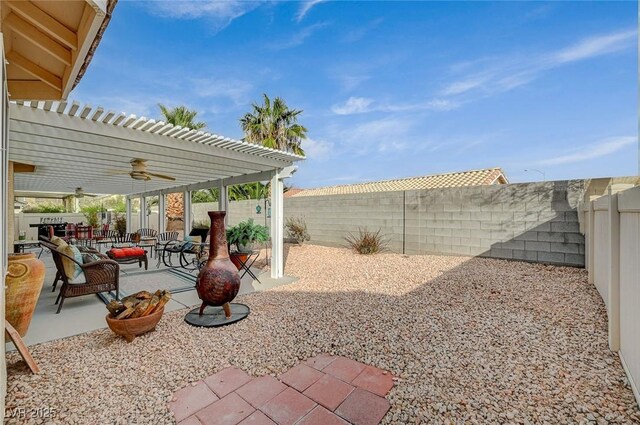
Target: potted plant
<point>243,236</point>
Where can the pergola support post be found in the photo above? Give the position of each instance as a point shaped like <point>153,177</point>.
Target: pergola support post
<point>161,213</point>
<point>142,223</point>
<point>223,201</point>
<point>277,226</point>
<point>128,213</point>
<point>186,213</point>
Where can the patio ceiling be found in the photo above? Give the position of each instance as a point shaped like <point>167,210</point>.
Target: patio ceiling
<point>73,146</point>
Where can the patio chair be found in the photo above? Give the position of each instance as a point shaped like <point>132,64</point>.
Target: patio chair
<point>99,276</point>
<point>103,237</point>
<point>164,240</point>
<point>120,240</point>
<point>148,239</point>
<point>84,235</point>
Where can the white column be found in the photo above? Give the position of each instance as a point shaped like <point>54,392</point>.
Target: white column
<point>161,214</point>
<point>277,226</point>
<point>590,244</point>
<point>144,218</point>
<point>223,201</point>
<point>186,216</point>
<point>614,272</point>
<point>128,214</point>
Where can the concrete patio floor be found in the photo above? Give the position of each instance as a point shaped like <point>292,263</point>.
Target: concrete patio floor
<point>87,313</point>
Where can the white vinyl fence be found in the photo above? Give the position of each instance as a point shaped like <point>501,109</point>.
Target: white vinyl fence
<point>613,260</point>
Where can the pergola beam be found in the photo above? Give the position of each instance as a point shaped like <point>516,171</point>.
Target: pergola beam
<point>34,69</point>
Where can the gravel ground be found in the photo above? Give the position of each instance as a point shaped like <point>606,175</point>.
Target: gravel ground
<point>470,340</point>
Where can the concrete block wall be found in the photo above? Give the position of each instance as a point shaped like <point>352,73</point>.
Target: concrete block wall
<point>529,221</point>
<point>330,218</point>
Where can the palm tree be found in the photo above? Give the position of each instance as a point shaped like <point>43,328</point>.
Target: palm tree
<point>274,125</point>
<point>184,117</point>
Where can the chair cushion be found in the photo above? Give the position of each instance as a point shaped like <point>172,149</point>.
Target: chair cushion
<point>59,242</point>
<point>71,269</point>
<point>90,257</point>
<point>126,252</point>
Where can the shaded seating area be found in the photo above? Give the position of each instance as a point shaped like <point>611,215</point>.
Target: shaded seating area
<point>81,274</point>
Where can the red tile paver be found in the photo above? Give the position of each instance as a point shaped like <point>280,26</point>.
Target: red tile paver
<point>345,369</point>
<point>191,420</point>
<point>329,391</point>
<point>190,399</point>
<point>374,380</point>
<point>320,361</point>
<point>257,418</point>
<point>288,407</point>
<point>260,390</point>
<point>363,408</point>
<point>229,410</point>
<point>321,416</point>
<point>227,380</point>
<point>301,376</point>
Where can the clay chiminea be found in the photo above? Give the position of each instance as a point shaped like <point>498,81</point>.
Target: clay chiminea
<point>218,282</point>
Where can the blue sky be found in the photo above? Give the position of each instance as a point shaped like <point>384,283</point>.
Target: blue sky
<point>392,89</point>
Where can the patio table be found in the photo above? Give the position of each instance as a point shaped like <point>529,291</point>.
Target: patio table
<point>20,246</point>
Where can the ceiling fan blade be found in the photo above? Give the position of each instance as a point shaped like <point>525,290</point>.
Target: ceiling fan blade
<point>161,176</point>
<point>117,172</point>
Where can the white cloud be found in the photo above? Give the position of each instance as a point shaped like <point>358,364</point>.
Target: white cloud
<point>305,8</point>
<point>238,91</point>
<point>596,46</point>
<point>383,135</point>
<point>496,75</point>
<point>353,105</point>
<point>605,147</point>
<point>298,38</point>
<point>317,149</point>
<point>360,105</point>
<point>220,13</point>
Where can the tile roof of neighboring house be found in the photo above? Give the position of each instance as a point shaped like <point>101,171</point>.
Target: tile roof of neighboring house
<point>293,191</point>
<point>464,178</point>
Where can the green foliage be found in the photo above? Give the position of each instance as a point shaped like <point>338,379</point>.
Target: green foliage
<point>274,125</point>
<point>297,229</point>
<point>204,195</point>
<point>45,209</point>
<point>121,224</point>
<point>91,213</point>
<point>246,233</point>
<point>255,190</point>
<point>366,242</point>
<point>182,116</point>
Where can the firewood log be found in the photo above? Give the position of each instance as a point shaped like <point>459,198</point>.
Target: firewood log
<point>140,308</point>
<point>115,307</point>
<point>152,304</point>
<point>166,297</point>
<point>125,314</point>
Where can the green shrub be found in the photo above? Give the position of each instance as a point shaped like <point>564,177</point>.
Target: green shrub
<point>366,242</point>
<point>121,224</point>
<point>297,229</point>
<point>91,213</point>
<point>246,233</point>
<point>45,209</point>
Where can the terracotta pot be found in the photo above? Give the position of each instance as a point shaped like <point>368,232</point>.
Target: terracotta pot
<point>218,282</point>
<point>131,328</point>
<point>25,276</point>
<point>238,258</point>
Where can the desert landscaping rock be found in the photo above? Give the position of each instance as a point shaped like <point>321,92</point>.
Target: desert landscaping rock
<point>469,340</point>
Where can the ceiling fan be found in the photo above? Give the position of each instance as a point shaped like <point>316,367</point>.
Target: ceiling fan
<point>139,171</point>
<point>79,194</point>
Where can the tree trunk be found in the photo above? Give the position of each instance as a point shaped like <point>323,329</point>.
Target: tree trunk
<point>175,212</point>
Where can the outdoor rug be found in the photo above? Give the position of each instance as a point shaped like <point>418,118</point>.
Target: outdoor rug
<point>174,280</point>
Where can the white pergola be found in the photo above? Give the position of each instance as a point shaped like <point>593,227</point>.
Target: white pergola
<point>75,146</point>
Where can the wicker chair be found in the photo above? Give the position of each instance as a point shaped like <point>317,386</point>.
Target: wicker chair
<point>100,276</point>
